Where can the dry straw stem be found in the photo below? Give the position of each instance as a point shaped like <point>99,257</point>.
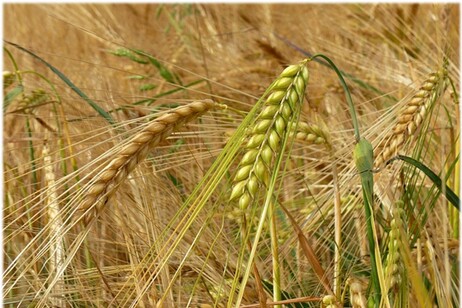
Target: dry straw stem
<point>110,178</point>
<point>412,116</point>
<point>268,131</point>
<point>57,251</point>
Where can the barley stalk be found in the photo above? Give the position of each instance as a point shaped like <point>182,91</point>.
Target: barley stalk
<point>112,176</point>
<point>57,250</point>
<point>279,111</point>
<point>412,115</point>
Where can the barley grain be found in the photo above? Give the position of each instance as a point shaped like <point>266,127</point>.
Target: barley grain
<point>99,191</point>
<point>328,301</point>
<point>281,107</point>
<point>312,134</point>
<point>412,116</point>
<point>357,298</point>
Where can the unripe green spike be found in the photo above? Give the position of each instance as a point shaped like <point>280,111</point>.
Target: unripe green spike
<point>264,144</point>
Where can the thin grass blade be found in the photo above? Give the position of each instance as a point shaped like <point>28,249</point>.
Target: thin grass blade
<point>95,106</point>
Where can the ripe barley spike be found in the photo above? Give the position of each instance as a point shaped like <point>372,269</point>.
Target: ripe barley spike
<point>106,183</point>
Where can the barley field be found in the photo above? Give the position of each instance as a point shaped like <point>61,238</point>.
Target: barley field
<point>231,155</point>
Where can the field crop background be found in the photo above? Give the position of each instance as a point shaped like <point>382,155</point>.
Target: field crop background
<point>128,127</point>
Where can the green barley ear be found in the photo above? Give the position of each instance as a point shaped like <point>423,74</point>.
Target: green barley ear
<point>258,169</point>
<point>264,144</point>
<point>394,267</point>
<point>348,98</point>
<point>311,134</point>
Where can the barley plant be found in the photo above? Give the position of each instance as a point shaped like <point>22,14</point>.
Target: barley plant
<point>218,155</point>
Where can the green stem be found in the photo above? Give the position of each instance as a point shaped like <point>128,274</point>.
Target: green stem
<point>347,94</point>
<point>15,65</point>
<point>275,256</point>
<point>370,236</point>
<point>455,95</point>
<point>32,154</point>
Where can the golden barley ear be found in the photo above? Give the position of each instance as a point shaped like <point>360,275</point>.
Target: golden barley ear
<point>99,190</point>
<point>412,115</point>
<point>266,134</point>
